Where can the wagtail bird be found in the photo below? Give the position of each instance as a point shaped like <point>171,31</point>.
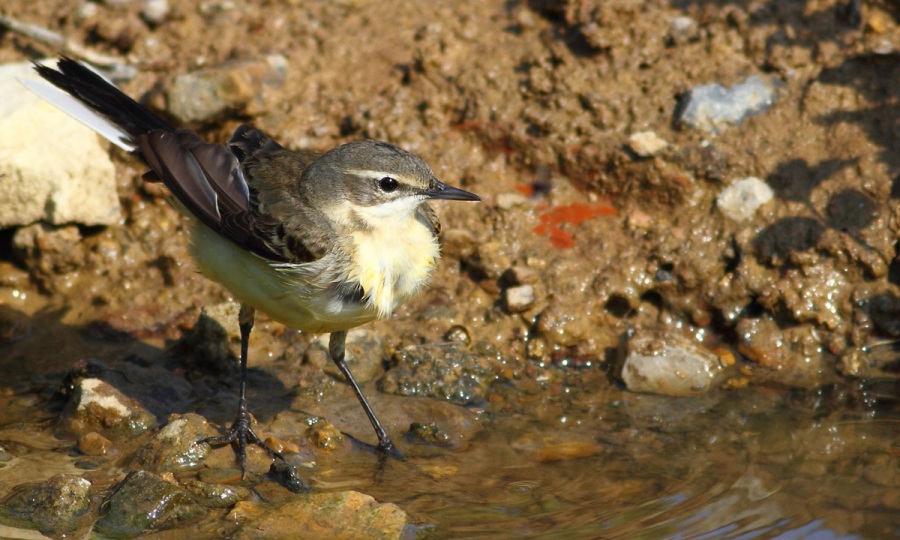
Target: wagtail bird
<point>321,242</point>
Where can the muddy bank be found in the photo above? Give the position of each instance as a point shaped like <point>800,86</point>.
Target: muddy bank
<point>588,234</point>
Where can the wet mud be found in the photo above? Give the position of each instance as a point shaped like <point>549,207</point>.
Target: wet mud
<point>613,232</point>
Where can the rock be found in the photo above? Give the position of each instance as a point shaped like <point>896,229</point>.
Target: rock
<point>682,30</point>
<point>445,371</point>
<point>326,436</point>
<point>647,144</point>
<point>548,447</point>
<point>175,448</point>
<point>49,252</point>
<point>663,362</point>
<point>518,298</point>
<point>78,185</point>
<point>216,495</point>
<point>56,507</point>
<point>712,107</point>
<point>429,434</point>
<point>237,86</point>
<point>145,502</point>
<point>740,200</point>
<point>794,355</point>
<point>346,514</point>
<point>94,444</point>
<point>98,406</point>
<point>155,11</point>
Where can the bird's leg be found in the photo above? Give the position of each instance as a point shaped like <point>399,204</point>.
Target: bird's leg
<point>241,431</point>
<point>336,347</point>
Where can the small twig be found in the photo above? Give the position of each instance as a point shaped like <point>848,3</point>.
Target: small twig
<point>69,47</point>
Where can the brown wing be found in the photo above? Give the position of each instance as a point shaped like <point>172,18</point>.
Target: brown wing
<point>211,181</point>
<point>207,179</point>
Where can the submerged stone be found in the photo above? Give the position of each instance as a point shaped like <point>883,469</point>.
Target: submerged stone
<point>145,502</point>
<point>55,507</point>
<point>175,447</point>
<point>446,371</point>
<point>346,514</point>
<point>664,362</point>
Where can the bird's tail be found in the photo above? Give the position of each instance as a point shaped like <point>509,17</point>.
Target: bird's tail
<point>96,102</point>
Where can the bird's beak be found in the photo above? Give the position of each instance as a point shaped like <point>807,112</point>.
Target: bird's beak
<point>440,190</point>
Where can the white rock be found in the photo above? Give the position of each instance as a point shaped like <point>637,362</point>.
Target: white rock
<point>155,11</point>
<point>664,362</point>
<point>52,168</point>
<point>519,298</point>
<point>740,200</point>
<point>647,143</point>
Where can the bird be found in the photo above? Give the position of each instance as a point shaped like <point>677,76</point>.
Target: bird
<point>320,242</point>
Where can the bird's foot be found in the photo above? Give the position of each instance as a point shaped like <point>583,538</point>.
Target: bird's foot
<point>387,449</point>
<point>240,435</point>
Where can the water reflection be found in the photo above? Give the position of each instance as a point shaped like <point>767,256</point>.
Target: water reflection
<point>756,463</point>
<point>751,463</point>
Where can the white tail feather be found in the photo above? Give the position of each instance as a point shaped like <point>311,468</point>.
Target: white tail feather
<point>80,112</point>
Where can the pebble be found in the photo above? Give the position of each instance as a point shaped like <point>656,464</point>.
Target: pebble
<point>740,200</point>
<point>682,30</point>
<point>664,362</point>
<point>155,11</point>
<point>647,143</point>
<point>713,107</point>
<point>518,298</point>
<point>94,444</point>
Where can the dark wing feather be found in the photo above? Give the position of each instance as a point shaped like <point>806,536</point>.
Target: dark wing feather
<point>213,182</point>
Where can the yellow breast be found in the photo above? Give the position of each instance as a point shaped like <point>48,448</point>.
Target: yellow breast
<point>392,263</point>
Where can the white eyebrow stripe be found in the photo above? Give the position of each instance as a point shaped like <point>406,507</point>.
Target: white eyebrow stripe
<point>373,173</point>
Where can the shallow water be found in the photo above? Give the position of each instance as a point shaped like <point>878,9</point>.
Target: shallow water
<point>755,464</point>
<point>582,460</point>
<point>560,453</point>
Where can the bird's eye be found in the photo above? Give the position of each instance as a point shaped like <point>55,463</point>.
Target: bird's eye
<point>388,184</point>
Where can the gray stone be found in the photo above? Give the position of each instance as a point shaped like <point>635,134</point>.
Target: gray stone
<point>239,86</point>
<point>664,362</point>
<point>740,200</point>
<point>56,507</point>
<point>175,448</point>
<point>446,371</point>
<point>712,107</point>
<point>52,168</point>
<point>145,502</point>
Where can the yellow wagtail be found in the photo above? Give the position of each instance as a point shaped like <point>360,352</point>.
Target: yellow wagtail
<point>322,242</point>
